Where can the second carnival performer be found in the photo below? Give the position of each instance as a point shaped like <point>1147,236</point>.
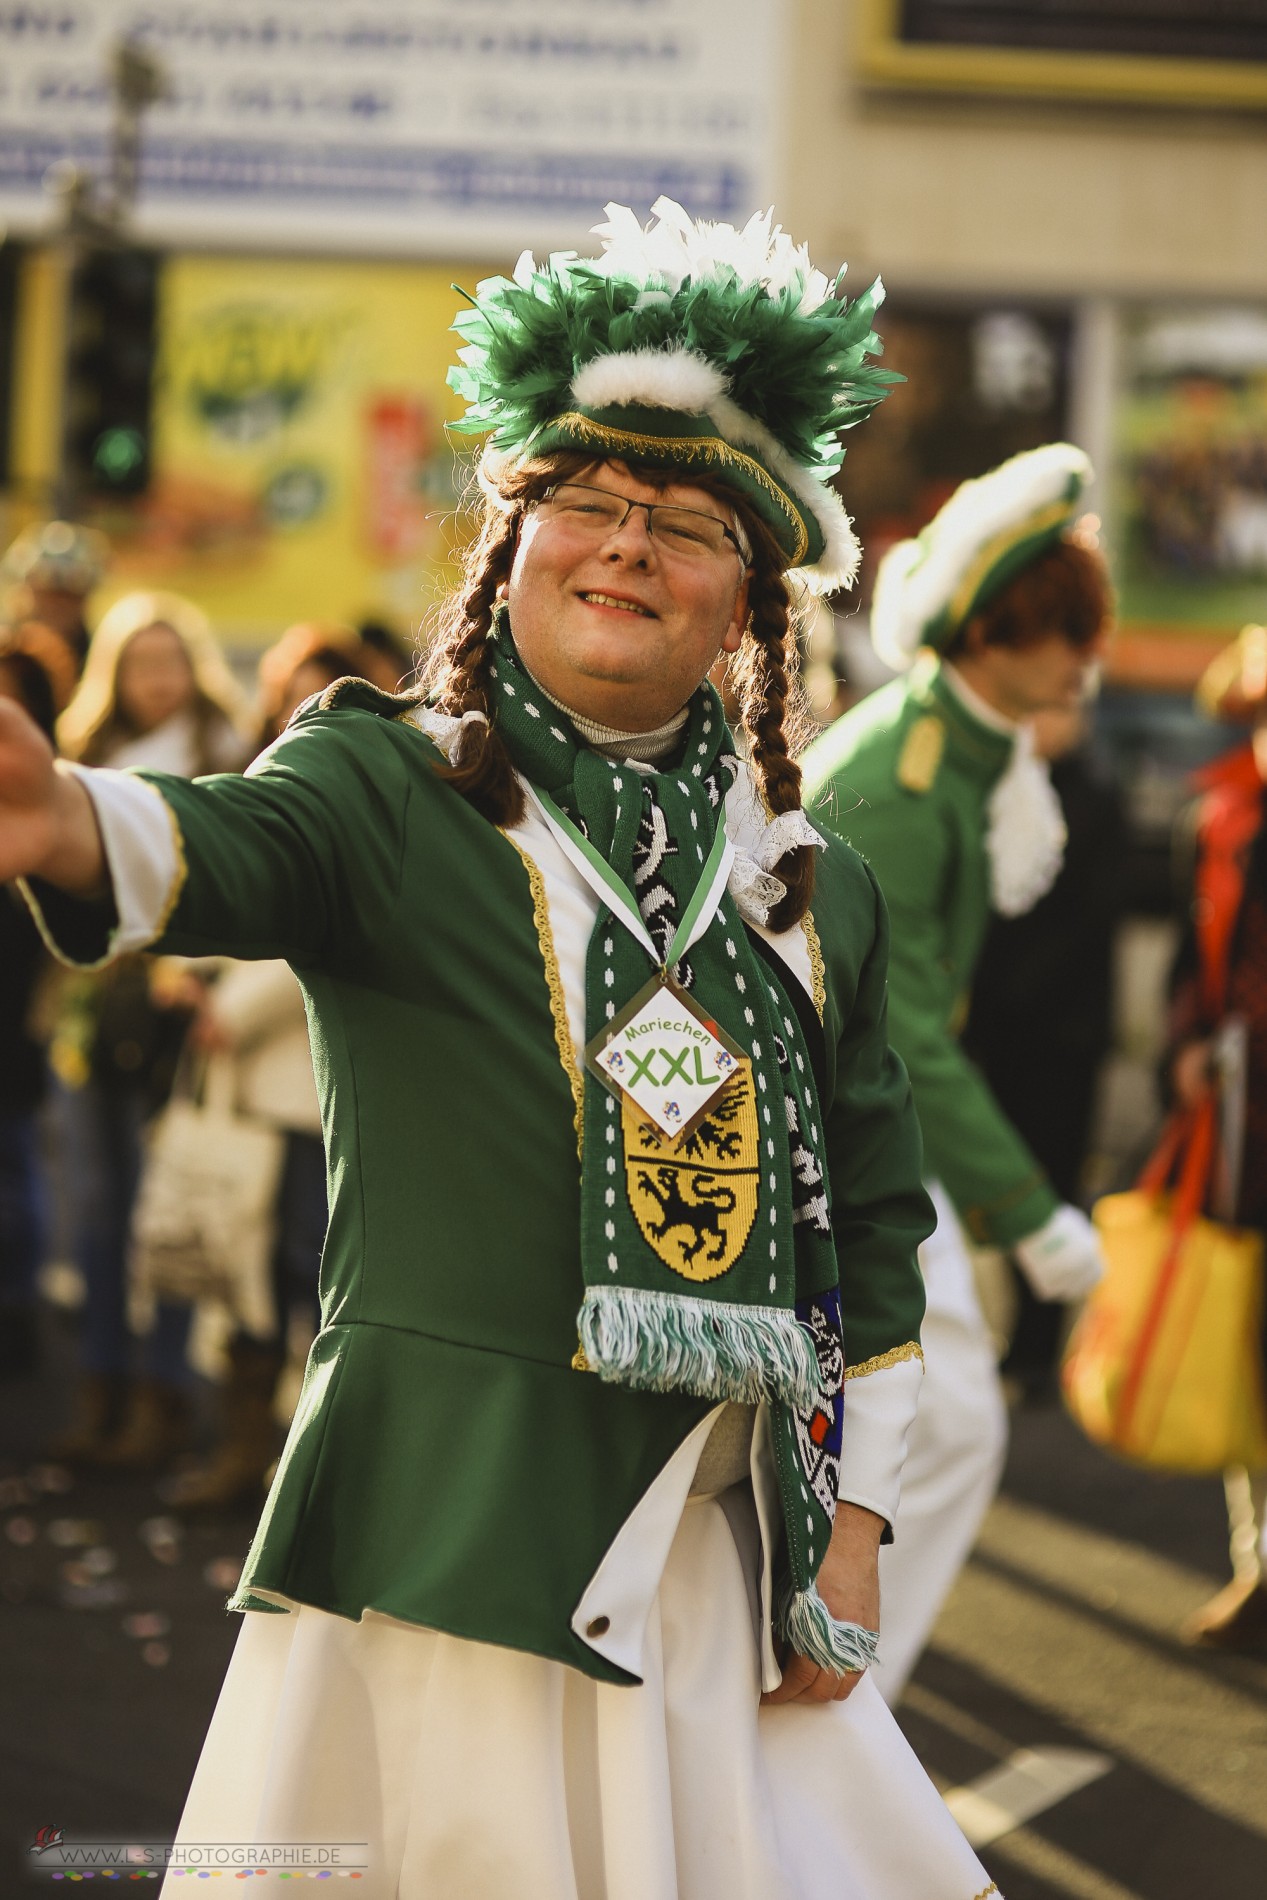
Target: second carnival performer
<point>531,1615</point>
<point>995,612</point>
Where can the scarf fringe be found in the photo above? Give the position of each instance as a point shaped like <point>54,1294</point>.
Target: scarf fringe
<point>808,1625</point>
<point>658,1342</point>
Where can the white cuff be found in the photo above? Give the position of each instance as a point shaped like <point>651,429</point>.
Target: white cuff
<point>1062,1259</point>
<point>880,1399</point>
<point>145,860</point>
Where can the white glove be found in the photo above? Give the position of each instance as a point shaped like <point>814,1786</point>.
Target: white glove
<point>1062,1258</point>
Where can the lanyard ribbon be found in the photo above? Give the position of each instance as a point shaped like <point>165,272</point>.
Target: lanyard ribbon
<point>615,893</point>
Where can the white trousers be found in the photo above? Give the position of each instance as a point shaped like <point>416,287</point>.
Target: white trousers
<point>472,1772</point>
<point>954,1458</point>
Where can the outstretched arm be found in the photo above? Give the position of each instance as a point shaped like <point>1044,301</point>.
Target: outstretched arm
<point>48,828</point>
<point>288,861</point>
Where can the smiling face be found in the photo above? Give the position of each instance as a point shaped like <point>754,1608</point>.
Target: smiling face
<point>621,628</point>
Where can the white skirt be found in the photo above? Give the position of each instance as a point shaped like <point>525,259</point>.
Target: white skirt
<point>471,1772</point>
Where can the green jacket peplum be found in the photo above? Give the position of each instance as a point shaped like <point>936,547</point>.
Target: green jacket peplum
<point>905,777</point>
<point>447,1465</point>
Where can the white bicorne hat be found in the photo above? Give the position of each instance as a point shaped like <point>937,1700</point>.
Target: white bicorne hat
<point>991,528</point>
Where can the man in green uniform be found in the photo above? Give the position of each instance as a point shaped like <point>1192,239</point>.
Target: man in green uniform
<point>602,1429</point>
<point>998,610</point>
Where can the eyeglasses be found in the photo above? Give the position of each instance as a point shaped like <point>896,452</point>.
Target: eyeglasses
<point>598,514</point>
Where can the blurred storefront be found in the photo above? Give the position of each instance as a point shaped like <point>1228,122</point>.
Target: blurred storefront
<point>1074,200</point>
<point>300,463</point>
<point>1068,206</point>
<point>249,394</point>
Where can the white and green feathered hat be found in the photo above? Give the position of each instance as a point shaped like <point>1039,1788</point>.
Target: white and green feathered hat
<point>690,346</point>
<point>987,532</point>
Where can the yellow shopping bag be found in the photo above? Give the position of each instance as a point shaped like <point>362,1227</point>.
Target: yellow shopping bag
<point>1165,1363</point>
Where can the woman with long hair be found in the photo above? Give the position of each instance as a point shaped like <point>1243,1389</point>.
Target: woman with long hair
<point>156,692</point>
<point>155,686</point>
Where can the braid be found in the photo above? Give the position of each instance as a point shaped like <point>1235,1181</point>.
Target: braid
<point>765,677</point>
<point>456,674</point>
<point>454,677</point>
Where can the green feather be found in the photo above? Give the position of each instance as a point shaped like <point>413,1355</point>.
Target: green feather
<point>806,375</point>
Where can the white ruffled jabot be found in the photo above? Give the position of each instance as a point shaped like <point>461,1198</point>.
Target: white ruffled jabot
<point>1026,831</point>
<point>1025,826</point>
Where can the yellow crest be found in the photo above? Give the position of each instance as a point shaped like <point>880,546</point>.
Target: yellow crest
<point>921,755</point>
<point>695,1203</point>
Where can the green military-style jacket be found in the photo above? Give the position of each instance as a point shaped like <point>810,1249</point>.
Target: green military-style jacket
<point>448,1463</point>
<point>905,777</point>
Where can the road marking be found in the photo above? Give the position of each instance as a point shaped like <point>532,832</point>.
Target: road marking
<point>1026,1784</point>
<point>1190,1728</point>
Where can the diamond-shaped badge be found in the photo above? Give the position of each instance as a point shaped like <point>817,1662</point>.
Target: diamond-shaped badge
<point>670,1061</point>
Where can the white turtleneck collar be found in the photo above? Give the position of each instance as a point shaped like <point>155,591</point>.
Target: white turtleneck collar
<point>640,748</point>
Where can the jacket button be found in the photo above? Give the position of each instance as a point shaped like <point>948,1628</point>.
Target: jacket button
<point>598,1626</point>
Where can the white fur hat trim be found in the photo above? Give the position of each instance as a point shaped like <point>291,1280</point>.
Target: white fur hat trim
<point>680,379</point>
<point>661,379</point>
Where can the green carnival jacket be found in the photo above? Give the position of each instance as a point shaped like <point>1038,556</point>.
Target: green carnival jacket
<point>905,777</point>
<point>447,1465</point>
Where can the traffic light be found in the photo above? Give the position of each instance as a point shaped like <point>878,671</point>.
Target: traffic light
<point>109,371</point>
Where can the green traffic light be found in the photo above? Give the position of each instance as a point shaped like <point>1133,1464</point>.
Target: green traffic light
<point>118,453</point>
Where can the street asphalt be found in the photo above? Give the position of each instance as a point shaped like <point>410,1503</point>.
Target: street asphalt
<point>1056,1661</point>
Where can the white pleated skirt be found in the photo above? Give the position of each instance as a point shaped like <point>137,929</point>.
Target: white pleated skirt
<point>470,1772</point>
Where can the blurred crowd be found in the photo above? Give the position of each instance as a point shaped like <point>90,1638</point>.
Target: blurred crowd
<point>89,1061</point>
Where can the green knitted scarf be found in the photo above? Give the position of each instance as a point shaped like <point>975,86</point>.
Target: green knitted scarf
<point>709,1264</point>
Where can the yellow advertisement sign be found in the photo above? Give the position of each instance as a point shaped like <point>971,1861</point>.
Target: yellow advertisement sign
<point>301,469</point>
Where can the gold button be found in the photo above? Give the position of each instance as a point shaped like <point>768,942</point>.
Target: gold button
<point>598,1626</point>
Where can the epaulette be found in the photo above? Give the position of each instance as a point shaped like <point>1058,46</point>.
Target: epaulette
<point>360,696</point>
<point>921,755</point>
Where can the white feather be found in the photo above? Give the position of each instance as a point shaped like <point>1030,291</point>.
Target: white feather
<point>661,379</point>
<point>673,246</point>
<point>645,376</point>
<point>917,578</point>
